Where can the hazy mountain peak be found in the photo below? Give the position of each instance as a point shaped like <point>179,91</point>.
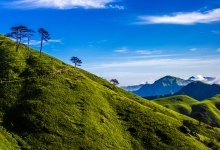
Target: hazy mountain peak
<point>208,80</point>
<point>197,78</point>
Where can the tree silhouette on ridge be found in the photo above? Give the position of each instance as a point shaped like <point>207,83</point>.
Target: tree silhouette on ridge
<point>45,36</point>
<point>76,61</point>
<point>17,33</point>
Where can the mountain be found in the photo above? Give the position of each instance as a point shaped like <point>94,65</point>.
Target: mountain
<point>163,86</point>
<point>47,104</point>
<point>186,105</point>
<point>132,87</point>
<point>169,85</point>
<point>200,90</point>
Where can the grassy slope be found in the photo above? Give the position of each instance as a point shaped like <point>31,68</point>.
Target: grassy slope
<point>46,104</point>
<point>181,104</point>
<point>7,141</point>
<point>188,106</point>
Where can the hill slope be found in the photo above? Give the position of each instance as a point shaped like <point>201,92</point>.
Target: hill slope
<point>188,106</point>
<point>199,90</point>
<point>47,104</point>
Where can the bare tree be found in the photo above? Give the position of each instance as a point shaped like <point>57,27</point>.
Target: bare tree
<point>17,33</point>
<point>76,61</point>
<point>45,36</point>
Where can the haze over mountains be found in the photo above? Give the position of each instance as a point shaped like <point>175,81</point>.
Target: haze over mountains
<point>172,85</point>
<point>163,86</point>
<point>208,80</point>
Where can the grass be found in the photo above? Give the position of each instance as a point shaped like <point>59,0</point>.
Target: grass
<point>188,106</point>
<point>47,104</point>
<point>7,141</point>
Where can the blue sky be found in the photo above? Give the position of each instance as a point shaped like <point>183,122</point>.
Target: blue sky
<point>132,41</point>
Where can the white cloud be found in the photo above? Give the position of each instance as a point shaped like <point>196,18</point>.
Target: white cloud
<point>199,78</point>
<point>193,49</point>
<point>55,41</point>
<point>129,72</point>
<point>37,42</point>
<point>216,81</point>
<point>184,18</point>
<point>122,50</point>
<point>147,52</point>
<point>60,4</point>
<point>117,7</point>
<point>160,63</point>
<point>209,80</point>
<point>34,42</point>
<point>218,50</point>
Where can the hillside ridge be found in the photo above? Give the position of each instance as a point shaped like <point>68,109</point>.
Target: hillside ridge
<point>75,109</point>
<point>189,106</point>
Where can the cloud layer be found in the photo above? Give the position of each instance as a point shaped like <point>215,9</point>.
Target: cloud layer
<point>187,63</point>
<point>61,4</point>
<point>188,18</point>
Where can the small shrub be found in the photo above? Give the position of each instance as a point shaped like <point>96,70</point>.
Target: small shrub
<point>211,144</point>
<point>190,125</point>
<point>184,129</point>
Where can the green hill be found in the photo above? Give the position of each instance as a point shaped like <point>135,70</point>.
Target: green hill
<point>181,104</point>
<point>188,106</point>
<point>47,104</point>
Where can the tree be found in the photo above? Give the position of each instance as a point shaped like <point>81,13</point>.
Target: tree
<point>17,33</point>
<point>114,81</point>
<point>28,34</point>
<point>45,36</point>
<point>76,61</point>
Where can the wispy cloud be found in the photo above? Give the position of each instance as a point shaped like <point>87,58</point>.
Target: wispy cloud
<point>147,52</point>
<point>218,50</point>
<point>122,50</point>
<point>117,7</point>
<point>215,32</point>
<point>37,42</point>
<point>61,4</point>
<point>160,63</point>
<point>193,49</point>
<point>184,18</point>
<point>55,41</point>
<point>102,41</point>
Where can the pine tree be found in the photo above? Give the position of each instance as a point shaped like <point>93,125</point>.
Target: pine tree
<point>76,61</point>
<point>45,36</point>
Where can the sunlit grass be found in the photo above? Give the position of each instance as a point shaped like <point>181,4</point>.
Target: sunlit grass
<point>47,104</point>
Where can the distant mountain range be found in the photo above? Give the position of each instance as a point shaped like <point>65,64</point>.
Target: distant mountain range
<point>163,86</point>
<point>199,90</point>
<point>173,85</point>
